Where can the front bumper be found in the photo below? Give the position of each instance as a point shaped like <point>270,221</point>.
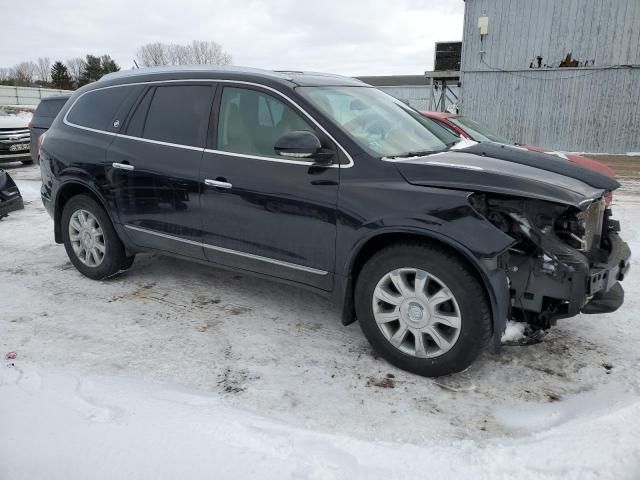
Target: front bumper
<point>15,157</point>
<point>564,282</point>
<point>605,292</point>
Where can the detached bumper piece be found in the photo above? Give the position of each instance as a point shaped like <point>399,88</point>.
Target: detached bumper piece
<point>10,198</point>
<point>605,301</point>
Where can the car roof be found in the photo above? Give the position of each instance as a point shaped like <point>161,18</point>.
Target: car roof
<point>216,72</point>
<point>439,114</point>
<point>56,97</point>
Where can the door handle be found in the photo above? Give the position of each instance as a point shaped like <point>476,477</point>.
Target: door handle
<point>123,166</point>
<point>217,183</point>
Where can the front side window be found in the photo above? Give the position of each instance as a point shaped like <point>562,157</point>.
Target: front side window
<point>97,108</point>
<point>383,125</point>
<point>250,122</point>
<point>176,114</point>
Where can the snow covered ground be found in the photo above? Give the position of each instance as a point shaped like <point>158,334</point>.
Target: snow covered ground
<point>177,370</point>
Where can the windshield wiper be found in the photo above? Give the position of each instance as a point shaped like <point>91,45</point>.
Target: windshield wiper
<point>413,154</point>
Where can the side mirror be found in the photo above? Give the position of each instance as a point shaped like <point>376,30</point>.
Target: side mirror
<point>302,144</point>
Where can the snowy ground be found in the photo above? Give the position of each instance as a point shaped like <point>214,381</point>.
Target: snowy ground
<point>176,370</point>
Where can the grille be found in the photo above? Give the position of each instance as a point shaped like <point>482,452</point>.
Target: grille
<point>14,135</point>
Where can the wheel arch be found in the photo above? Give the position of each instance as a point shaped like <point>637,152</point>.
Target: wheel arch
<point>66,192</point>
<point>493,283</point>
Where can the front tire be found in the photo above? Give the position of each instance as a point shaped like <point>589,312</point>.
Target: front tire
<point>422,309</point>
<point>90,239</point>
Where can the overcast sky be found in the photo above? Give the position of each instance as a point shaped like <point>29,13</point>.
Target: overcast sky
<point>365,37</point>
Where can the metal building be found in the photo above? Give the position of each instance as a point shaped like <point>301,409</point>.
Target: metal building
<point>556,73</point>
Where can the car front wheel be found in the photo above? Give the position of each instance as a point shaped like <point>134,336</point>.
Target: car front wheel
<point>90,239</point>
<point>422,309</point>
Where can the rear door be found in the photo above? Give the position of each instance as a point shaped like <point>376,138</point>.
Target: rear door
<point>262,212</point>
<point>155,167</point>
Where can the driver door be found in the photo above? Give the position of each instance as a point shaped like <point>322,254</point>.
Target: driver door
<point>262,212</point>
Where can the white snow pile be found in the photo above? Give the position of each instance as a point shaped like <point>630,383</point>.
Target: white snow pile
<point>60,426</point>
<point>514,331</point>
<point>175,370</point>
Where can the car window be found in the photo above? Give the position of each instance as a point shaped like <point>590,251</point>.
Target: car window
<point>250,122</point>
<point>479,132</point>
<point>50,108</point>
<point>136,123</point>
<point>179,114</point>
<point>446,127</point>
<point>97,108</point>
<point>381,124</point>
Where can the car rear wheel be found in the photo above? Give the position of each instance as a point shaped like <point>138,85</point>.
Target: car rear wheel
<point>90,239</point>
<point>422,309</point>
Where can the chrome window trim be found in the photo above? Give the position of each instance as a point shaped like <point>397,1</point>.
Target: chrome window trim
<point>252,256</point>
<point>350,164</point>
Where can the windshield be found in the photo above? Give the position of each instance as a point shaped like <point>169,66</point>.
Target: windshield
<point>478,132</point>
<point>382,125</point>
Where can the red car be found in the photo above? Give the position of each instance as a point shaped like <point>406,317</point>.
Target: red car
<point>467,128</point>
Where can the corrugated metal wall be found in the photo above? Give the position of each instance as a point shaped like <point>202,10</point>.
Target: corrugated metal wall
<point>594,108</point>
<point>418,96</point>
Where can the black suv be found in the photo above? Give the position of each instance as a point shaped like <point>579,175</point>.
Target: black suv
<point>42,119</point>
<point>327,183</point>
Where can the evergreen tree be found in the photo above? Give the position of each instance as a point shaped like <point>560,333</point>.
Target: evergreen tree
<point>92,70</point>
<point>60,76</point>
<point>109,65</point>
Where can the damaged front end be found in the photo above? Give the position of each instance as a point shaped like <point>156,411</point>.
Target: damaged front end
<point>565,259</point>
<point>10,198</point>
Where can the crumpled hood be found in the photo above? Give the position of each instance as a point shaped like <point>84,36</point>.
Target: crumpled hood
<point>495,168</point>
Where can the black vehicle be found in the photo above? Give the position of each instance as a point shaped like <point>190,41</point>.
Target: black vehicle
<point>10,197</point>
<point>325,182</point>
<point>42,119</point>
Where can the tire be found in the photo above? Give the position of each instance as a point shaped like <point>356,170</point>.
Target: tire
<point>441,328</point>
<point>111,257</point>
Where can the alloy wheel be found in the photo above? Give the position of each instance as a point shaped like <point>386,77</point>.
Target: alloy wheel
<point>416,312</point>
<point>87,238</point>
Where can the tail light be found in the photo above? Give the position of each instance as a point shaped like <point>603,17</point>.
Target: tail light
<point>40,142</point>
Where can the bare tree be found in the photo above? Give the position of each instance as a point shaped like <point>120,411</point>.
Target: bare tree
<point>76,67</point>
<point>23,73</point>
<point>5,75</point>
<point>153,54</point>
<point>196,53</point>
<point>179,54</point>
<point>44,69</point>
<point>209,53</point>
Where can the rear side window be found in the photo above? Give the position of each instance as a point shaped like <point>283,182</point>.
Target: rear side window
<point>97,109</point>
<point>174,114</point>
<point>50,108</point>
